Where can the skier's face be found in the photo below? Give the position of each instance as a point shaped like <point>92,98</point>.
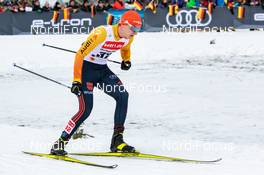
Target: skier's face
<point>126,31</point>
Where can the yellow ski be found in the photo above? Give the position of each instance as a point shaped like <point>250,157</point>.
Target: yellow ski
<point>145,156</point>
<point>70,159</point>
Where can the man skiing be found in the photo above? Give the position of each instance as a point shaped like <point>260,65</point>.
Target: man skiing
<point>90,70</point>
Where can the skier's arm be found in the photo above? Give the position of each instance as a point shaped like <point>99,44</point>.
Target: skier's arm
<point>125,51</point>
<point>96,37</point>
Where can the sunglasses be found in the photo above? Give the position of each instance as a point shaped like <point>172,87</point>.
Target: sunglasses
<point>133,28</point>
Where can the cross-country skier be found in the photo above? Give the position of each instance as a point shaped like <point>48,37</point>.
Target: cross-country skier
<point>90,70</point>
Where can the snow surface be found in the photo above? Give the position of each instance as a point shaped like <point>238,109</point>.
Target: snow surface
<point>202,102</point>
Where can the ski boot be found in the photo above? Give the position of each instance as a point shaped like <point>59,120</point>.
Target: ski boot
<point>118,144</point>
<point>58,148</point>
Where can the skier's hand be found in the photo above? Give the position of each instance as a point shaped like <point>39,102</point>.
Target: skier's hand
<point>76,88</point>
<point>125,65</point>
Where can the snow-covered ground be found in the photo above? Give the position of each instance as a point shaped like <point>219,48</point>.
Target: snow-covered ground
<point>188,98</point>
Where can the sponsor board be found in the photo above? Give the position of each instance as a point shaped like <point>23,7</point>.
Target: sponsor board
<point>259,16</point>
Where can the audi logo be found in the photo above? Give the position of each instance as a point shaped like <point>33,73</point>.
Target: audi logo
<point>189,18</point>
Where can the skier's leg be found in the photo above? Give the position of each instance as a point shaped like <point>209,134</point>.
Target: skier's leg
<point>89,76</point>
<point>112,86</point>
<point>85,108</point>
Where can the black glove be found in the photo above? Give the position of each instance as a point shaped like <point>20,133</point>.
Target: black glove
<point>125,65</point>
<point>76,88</point>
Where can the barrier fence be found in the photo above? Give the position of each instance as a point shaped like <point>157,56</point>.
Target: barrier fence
<point>220,18</point>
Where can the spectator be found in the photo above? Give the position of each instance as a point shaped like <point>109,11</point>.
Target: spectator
<point>2,7</point>
<point>46,7</point>
<point>14,7</point>
<point>238,3</point>
<point>92,7</point>
<point>108,4</point>
<point>220,3</point>
<point>181,3</point>
<point>22,5</point>
<point>119,5</point>
<point>164,4</point>
<point>131,2</point>
<point>191,4</point>
<point>57,6</point>
<point>36,6</point>
<point>251,2</point>
<point>85,6</point>
<point>6,3</point>
<point>28,6</point>
<point>254,2</point>
<point>204,3</point>
<point>103,5</point>
<point>100,6</point>
<point>73,6</point>
<point>247,2</point>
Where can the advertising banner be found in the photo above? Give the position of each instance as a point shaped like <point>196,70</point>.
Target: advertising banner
<point>253,17</point>
<point>42,24</point>
<point>220,18</point>
<point>6,24</point>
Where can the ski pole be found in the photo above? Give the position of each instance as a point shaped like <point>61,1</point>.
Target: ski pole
<point>42,76</point>
<point>46,78</point>
<point>67,50</point>
<point>59,48</point>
